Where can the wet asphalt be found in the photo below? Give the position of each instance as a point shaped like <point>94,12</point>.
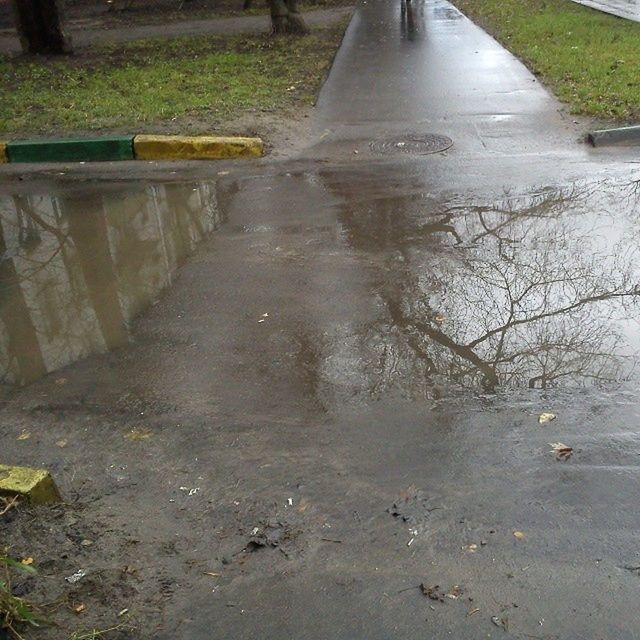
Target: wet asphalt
<point>340,360</point>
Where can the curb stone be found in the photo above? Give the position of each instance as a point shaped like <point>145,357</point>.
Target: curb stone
<point>138,147</point>
<point>35,484</point>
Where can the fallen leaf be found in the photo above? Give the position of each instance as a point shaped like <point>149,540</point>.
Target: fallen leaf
<point>61,381</point>
<point>519,535</point>
<point>86,543</point>
<point>440,318</point>
<point>25,435</point>
<point>27,561</point>
<point>122,612</point>
<point>61,443</point>
<point>472,612</point>
<point>561,450</point>
<point>471,548</point>
<point>80,608</point>
<point>543,418</point>
<point>139,434</point>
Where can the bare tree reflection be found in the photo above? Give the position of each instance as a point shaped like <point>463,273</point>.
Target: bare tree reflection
<point>524,291</point>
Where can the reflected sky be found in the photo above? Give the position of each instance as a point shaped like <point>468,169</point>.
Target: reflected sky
<point>535,290</point>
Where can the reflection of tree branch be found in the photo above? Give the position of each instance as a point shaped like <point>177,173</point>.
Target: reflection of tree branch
<point>463,351</point>
<point>556,312</point>
<point>30,213</point>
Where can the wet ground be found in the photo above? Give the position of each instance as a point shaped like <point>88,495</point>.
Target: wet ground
<point>280,399</point>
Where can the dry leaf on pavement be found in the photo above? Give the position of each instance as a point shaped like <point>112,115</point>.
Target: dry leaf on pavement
<point>562,451</point>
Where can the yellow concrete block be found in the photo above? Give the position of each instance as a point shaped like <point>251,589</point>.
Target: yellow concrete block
<point>36,484</point>
<point>3,152</point>
<point>147,147</point>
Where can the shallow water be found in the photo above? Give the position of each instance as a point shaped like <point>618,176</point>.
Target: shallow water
<point>77,269</point>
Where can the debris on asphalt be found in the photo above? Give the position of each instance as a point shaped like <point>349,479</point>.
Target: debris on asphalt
<point>433,592</point>
<point>502,622</point>
<point>472,612</point>
<point>190,492</point>
<point>471,548</point>
<point>139,434</point>
<point>544,418</point>
<point>76,577</point>
<point>562,451</point>
<point>122,612</point>
<point>412,506</point>
<point>454,593</point>
<point>634,568</point>
<point>61,443</point>
<point>519,535</point>
<point>274,534</point>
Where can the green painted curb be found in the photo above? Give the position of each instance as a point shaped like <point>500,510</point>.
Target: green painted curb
<point>72,150</point>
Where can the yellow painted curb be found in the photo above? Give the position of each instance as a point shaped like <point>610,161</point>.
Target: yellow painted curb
<point>35,484</point>
<point>148,147</point>
<point>3,152</point>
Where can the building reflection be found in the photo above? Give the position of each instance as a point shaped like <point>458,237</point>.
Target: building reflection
<point>76,270</point>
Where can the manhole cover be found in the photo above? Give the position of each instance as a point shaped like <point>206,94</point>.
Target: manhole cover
<point>419,143</point>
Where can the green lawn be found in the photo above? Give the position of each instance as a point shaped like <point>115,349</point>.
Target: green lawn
<point>589,59</point>
<point>193,85</point>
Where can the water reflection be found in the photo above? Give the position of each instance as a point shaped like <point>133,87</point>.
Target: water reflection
<point>527,290</point>
<point>411,19</point>
<point>76,270</point>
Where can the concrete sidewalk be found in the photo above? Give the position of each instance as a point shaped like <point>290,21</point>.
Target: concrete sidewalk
<point>83,37</point>
<point>423,66</point>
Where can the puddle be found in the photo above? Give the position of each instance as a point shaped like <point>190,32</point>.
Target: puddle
<point>76,270</point>
<point>534,290</point>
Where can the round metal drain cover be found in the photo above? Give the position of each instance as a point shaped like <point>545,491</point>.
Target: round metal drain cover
<point>418,143</point>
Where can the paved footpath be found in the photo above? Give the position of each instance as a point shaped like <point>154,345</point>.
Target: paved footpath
<point>337,401</point>
<point>84,36</point>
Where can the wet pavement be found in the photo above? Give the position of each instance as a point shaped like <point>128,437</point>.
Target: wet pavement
<point>337,399</point>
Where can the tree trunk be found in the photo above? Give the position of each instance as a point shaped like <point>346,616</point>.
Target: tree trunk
<point>285,17</point>
<point>40,26</point>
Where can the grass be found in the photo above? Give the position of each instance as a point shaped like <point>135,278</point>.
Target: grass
<point>588,58</point>
<point>14,611</point>
<point>194,85</point>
